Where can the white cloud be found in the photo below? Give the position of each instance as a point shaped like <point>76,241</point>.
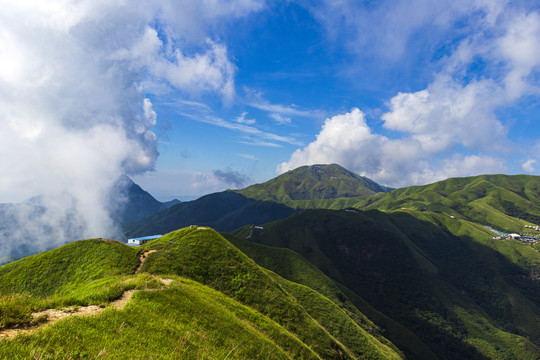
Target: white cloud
<point>343,139</point>
<point>529,165</point>
<point>459,165</point>
<point>74,105</point>
<point>449,128</point>
<point>385,28</point>
<point>209,70</point>
<point>280,119</point>
<point>242,119</point>
<point>347,140</point>
<point>446,114</point>
<point>520,47</point>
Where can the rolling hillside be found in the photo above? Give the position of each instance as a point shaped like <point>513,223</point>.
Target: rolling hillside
<point>195,296</point>
<point>505,202</point>
<point>461,293</point>
<point>315,186</point>
<point>224,211</point>
<point>412,273</point>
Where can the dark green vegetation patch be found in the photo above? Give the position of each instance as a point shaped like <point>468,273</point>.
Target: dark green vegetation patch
<point>428,275</point>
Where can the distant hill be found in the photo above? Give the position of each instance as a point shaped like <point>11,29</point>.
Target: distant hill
<point>136,203</point>
<point>315,186</point>
<point>223,211</point>
<point>191,295</point>
<point>506,202</point>
<point>26,228</point>
<point>438,287</point>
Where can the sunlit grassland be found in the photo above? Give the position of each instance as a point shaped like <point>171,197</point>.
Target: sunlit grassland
<point>228,308</point>
<point>205,256</point>
<point>186,321</point>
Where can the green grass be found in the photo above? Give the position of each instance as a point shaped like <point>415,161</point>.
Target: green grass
<point>318,287</point>
<point>205,256</point>
<point>231,307</point>
<point>186,321</point>
<point>64,269</point>
<point>16,308</point>
<point>317,186</point>
<point>502,201</point>
<point>415,268</point>
<point>339,323</point>
<point>88,272</point>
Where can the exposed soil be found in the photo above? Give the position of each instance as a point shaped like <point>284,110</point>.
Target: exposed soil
<point>142,259</point>
<point>166,281</point>
<point>50,316</point>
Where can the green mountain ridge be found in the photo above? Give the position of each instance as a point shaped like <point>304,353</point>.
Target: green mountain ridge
<point>219,304</point>
<point>507,202</point>
<point>461,293</point>
<point>224,211</point>
<point>315,186</point>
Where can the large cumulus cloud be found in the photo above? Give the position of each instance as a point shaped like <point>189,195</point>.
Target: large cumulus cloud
<point>452,127</point>
<point>76,79</point>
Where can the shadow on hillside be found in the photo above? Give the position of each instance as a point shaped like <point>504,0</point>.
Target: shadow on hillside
<point>223,211</point>
<point>412,271</point>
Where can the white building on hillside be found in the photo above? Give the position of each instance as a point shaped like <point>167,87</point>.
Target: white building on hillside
<point>142,240</point>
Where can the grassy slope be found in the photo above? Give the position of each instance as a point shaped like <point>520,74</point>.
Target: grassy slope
<point>60,270</point>
<point>291,266</point>
<point>317,186</point>
<point>185,321</point>
<point>318,287</point>
<point>247,314</point>
<point>497,200</point>
<point>338,322</point>
<point>205,256</point>
<point>434,274</point>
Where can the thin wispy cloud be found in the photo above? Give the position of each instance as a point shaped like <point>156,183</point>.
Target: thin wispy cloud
<point>280,119</point>
<point>245,129</point>
<point>242,119</point>
<point>189,103</point>
<point>291,110</point>
<point>259,142</point>
<point>256,100</point>
<point>248,156</point>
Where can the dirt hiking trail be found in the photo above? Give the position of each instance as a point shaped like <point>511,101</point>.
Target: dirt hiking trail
<point>51,316</point>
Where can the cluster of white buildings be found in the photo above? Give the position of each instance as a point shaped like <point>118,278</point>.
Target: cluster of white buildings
<point>534,227</point>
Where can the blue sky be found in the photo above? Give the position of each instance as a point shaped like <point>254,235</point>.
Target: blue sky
<point>192,97</point>
<point>404,92</point>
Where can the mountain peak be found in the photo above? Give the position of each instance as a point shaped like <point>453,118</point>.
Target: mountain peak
<point>314,182</point>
